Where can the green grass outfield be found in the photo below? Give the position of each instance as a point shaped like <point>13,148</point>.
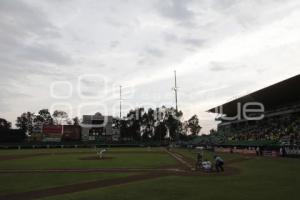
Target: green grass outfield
<point>14,183</point>
<point>73,150</point>
<point>258,178</point>
<point>56,159</point>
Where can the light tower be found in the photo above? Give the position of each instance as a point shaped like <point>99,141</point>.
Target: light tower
<point>176,106</point>
<point>175,91</point>
<point>120,102</point>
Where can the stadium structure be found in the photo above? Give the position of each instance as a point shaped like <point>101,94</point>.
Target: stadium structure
<point>281,116</point>
<point>99,128</point>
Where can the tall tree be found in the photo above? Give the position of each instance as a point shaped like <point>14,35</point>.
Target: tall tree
<point>155,124</point>
<point>25,122</point>
<point>43,117</point>
<point>193,125</point>
<point>4,124</point>
<point>160,131</point>
<point>124,129</point>
<point>185,128</point>
<point>134,121</point>
<point>76,121</point>
<point>60,117</point>
<point>147,124</point>
<point>173,122</point>
<point>172,125</point>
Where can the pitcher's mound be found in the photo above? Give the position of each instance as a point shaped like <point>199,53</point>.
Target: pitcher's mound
<point>96,158</point>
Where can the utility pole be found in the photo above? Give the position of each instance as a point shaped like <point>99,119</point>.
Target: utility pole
<point>175,90</point>
<point>120,102</point>
<point>120,121</point>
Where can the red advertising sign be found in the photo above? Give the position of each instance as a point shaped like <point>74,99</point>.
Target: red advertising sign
<point>52,130</point>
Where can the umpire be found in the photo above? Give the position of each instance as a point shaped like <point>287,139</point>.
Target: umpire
<point>219,163</point>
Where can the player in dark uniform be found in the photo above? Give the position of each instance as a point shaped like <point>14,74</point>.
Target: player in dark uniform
<point>199,161</point>
<point>219,163</point>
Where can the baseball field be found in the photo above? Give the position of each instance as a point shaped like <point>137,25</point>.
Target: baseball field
<point>142,173</point>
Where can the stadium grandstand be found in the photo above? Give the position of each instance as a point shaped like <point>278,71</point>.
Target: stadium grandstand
<point>279,125</point>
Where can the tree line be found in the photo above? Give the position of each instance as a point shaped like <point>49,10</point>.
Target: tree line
<point>158,124</point>
<point>138,124</point>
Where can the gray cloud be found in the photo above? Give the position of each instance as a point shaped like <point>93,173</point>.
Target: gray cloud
<point>26,42</point>
<point>154,52</point>
<point>21,20</point>
<point>114,44</point>
<point>175,9</point>
<point>215,66</point>
<point>150,55</point>
<point>43,53</point>
<point>194,41</point>
<point>4,106</point>
<point>183,40</point>
<point>170,37</point>
<point>224,4</point>
<point>8,93</point>
<point>11,93</point>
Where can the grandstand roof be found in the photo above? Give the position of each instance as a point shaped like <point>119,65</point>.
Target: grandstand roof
<point>283,93</point>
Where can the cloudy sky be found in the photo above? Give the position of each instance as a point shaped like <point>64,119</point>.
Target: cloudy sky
<point>74,54</point>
